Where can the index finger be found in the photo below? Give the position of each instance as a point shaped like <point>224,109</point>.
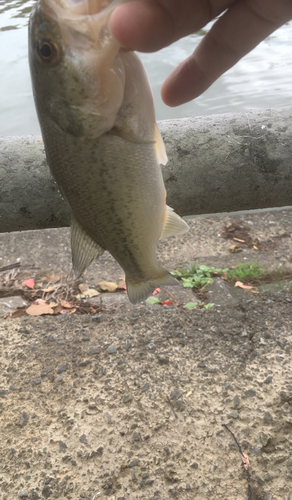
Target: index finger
<point>149,25</point>
<point>243,26</point>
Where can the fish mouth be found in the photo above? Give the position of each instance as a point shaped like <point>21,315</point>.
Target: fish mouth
<point>77,7</point>
<point>87,18</point>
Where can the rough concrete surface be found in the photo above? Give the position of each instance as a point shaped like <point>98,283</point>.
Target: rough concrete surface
<point>130,403</point>
<point>218,163</point>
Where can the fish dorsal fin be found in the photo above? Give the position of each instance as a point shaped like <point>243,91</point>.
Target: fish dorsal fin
<point>159,146</point>
<point>174,224</point>
<point>84,249</point>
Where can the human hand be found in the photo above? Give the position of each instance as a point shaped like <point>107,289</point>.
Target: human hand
<point>149,25</point>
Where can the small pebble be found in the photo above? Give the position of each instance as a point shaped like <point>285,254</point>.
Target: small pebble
<point>127,398</point>
<point>233,414</point>
<point>136,436</point>
<point>111,349</point>
<point>250,393</point>
<point>23,419</point>
<point>268,419</point>
<point>37,381</point>
<point>23,494</point>
<point>134,462</point>
<point>62,368</point>
<point>175,395</point>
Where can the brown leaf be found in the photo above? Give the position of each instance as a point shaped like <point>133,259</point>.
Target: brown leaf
<point>37,309</point>
<point>66,304</point>
<point>66,311</point>
<point>49,289</point>
<point>83,287</point>
<point>57,309</point>
<point>108,286</point>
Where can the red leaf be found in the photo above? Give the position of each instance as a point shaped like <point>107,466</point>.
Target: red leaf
<point>166,303</point>
<point>29,283</point>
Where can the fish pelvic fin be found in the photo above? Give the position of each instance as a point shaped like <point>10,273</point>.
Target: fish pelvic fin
<point>84,248</point>
<point>174,224</point>
<point>139,291</point>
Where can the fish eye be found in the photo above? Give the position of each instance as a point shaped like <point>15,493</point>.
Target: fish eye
<point>46,50</point>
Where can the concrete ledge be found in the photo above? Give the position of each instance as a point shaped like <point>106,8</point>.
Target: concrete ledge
<point>218,163</point>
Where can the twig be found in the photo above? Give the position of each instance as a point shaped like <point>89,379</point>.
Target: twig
<point>244,460</point>
<point>10,266</point>
<point>169,293</point>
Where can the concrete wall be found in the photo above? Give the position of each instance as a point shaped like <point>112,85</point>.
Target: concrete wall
<point>218,163</point>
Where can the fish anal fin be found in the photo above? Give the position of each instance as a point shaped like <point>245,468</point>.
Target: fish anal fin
<point>159,146</point>
<point>139,291</point>
<point>174,224</point>
<point>84,248</point>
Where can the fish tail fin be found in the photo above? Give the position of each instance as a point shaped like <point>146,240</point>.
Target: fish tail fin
<point>141,290</point>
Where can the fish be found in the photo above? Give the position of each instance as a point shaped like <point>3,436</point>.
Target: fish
<point>103,146</point>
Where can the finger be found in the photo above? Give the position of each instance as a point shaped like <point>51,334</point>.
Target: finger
<point>149,25</point>
<point>143,26</point>
<point>235,34</point>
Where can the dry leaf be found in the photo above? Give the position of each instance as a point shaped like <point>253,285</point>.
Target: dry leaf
<point>29,283</point>
<point>66,311</point>
<point>53,304</point>
<point>83,287</point>
<point>37,309</point>
<point>157,290</point>
<point>66,304</point>
<point>241,285</point>
<point>108,286</point>
<point>58,309</point>
<point>90,292</point>
<point>49,289</point>
<point>53,278</point>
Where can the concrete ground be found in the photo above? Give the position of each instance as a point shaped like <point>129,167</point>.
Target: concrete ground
<point>130,403</point>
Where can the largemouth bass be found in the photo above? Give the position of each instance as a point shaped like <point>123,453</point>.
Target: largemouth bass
<point>102,143</point>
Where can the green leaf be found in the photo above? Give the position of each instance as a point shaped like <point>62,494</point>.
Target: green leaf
<point>191,305</point>
<point>208,306</point>
<point>152,300</point>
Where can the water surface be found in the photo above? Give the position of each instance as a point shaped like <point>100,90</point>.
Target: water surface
<point>262,79</point>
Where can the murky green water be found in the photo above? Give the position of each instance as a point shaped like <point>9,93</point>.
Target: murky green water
<point>263,79</point>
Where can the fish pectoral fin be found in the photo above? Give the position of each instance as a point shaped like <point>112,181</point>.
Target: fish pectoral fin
<point>174,224</point>
<point>159,146</point>
<point>139,291</point>
<point>84,248</point>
